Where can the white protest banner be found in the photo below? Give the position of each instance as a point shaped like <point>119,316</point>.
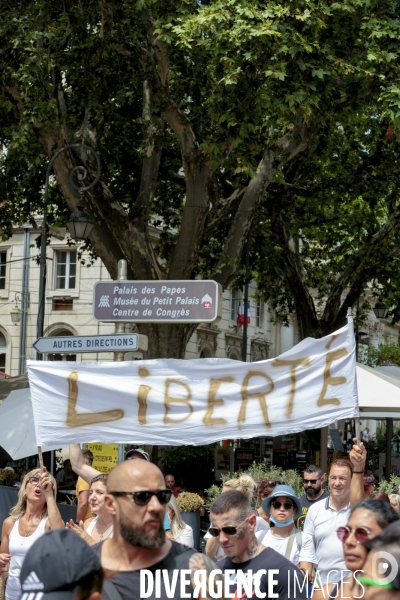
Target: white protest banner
<point>175,402</point>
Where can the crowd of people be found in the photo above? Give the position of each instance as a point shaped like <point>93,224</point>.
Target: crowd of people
<point>341,544</point>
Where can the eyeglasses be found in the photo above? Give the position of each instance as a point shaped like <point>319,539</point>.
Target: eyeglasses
<point>34,480</point>
<point>286,505</point>
<point>143,498</point>
<point>311,481</point>
<point>360,533</point>
<point>372,582</point>
<point>229,530</point>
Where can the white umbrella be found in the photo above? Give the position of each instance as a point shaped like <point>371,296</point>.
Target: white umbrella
<point>17,430</point>
<point>378,393</point>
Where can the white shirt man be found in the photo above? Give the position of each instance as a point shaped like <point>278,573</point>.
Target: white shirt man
<point>321,546</point>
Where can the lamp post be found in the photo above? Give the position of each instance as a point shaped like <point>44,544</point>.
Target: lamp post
<point>81,174</point>
<point>381,310</point>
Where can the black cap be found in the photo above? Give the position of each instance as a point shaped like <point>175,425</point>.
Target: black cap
<point>55,564</point>
<point>143,454</point>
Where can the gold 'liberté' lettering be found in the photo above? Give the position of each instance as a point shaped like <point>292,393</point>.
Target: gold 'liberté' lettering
<point>75,419</point>
<point>168,400</point>
<point>213,401</point>
<point>293,364</point>
<point>328,379</point>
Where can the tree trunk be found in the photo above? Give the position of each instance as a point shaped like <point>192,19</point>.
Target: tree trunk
<point>167,340</point>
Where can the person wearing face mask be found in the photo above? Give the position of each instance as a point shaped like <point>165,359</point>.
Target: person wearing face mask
<point>283,507</point>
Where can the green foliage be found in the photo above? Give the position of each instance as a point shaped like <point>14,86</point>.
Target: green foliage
<point>390,487</point>
<point>383,354</point>
<point>229,82</point>
<point>212,492</point>
<point>260,471</point>
<point>7,477</point>
<point>189,502</point>
<point>191,465</point>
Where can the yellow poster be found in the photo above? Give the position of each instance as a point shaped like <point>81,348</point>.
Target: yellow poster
<point>105,456</point>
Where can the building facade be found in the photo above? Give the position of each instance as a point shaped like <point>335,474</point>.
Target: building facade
<point>69,305</point>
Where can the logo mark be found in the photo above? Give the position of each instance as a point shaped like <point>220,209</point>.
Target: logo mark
<point>206,301</point>
<point>104,302</point>
<point>385,564</point>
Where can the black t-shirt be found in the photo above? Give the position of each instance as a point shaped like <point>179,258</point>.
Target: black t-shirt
<point>127,583</point>
<point>286,581</point>
<point>305,504</point>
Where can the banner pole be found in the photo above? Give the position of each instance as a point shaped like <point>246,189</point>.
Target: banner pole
<point>356,419</point>
<point>40,457</point>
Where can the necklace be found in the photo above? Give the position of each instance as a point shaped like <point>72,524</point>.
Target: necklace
<point>101,534</point>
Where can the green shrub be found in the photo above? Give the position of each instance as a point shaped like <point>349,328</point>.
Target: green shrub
<point>391,486</point>
<point>188,502</point>
<point>260,471</point>
<point>7,477</point>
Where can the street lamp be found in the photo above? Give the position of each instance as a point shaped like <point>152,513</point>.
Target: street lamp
<point>81,174</point>
<point>16,314</point>
<point>80,224</point>
<point>381,310</point>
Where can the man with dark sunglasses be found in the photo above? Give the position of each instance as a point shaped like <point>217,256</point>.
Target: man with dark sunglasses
<point>263,569</point>
<point>137,499</point>
<point>313,479</point>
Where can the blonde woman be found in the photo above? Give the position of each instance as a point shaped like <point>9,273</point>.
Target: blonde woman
<point>395,502</point>
<point>35,513</point>
<point>247,486</point>
<point>179,532</point>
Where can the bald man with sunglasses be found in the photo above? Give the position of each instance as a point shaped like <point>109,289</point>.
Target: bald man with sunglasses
<point>137,499</point>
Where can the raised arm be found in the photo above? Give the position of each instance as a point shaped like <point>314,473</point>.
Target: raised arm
<point>358,457</point>
<point>78,464</point>
<point>55,520</point>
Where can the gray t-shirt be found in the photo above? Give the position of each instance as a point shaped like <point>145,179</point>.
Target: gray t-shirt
<point>127,583</point>
<point>305,504</point>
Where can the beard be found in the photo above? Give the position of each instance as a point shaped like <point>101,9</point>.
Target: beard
<point>138,537</point>
<point>311,492</point>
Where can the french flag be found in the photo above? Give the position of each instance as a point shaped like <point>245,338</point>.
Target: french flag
<point>248,314</point>
<point>240,315</point>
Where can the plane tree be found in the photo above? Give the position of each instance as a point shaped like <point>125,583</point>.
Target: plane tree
<point>195,109</point>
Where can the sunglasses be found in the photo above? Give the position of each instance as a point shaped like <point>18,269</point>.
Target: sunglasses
<point>311,481</point>
<point>143,498</point>
<point>229,530</point>
<point>272,483</point>
<point>286,505</point>
<point>34,480</point>
<point>360,533</point>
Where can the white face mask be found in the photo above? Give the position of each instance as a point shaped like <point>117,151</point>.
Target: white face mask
<point>279,524</point>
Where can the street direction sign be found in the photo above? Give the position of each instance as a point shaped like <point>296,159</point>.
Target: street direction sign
<point>120,342</point>
<point>196,301</point>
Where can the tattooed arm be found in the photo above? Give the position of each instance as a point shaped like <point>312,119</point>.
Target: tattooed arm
<point>200,562</point>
